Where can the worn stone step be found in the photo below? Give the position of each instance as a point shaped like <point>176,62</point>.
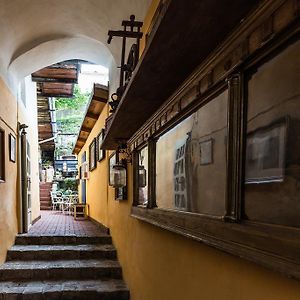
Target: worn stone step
<point>60,269</point>
<point>45,207</point>
<point>66,252</point>
<point>111,289</point>
<point>45,203</point>
<point>44,193</point>
<point>62,239</point>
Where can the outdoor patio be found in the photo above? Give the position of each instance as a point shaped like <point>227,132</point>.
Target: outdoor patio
<point>56,223</point>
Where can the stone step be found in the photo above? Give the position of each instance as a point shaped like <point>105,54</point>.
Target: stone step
<point>46,202</point>
<point>60,269</point>
<point>65,252</point>
<point>44,195</point>
<point>46,198</point>
<point>80,289</point>
<point>62,239</point>
<point>45,207</point>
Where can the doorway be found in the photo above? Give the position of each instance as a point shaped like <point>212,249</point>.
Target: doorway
<point>25,168</point>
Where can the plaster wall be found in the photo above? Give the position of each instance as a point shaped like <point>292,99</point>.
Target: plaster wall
<point>12,111</point>
<point>68,29</point>
<point>8,189</point>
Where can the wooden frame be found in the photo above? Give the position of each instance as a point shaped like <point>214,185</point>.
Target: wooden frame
<point>273,246</point>
<point>100,152</point>
<point>12,148</point>
<point>2,155</point>
<point>92,155</point>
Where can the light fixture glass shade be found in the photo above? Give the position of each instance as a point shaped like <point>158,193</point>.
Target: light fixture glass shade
<point>142,176</point>
<point>119,178</point>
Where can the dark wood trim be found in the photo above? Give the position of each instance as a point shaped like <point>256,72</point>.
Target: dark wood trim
<point>2,156</point>
<point>94,142</point>
<point>85,129</point>
<point>98,150</point>
<point>274,247</point>
<point>135,164</point>
<point>92,115</point>
<point>36,219</point>
<point>151,173</point>
<point>99,99</point>
<point>234,147</point>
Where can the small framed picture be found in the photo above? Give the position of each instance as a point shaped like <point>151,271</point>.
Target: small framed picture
<point>12,148</point>
<point>2,155</point>
<point>100,152</point>
<point>92,155</point>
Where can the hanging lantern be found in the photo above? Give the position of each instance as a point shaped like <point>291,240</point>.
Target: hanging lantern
<point>142,176</point>
<point>119,176</point>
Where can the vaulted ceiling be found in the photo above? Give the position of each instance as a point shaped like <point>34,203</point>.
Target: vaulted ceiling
<point>35,33</point>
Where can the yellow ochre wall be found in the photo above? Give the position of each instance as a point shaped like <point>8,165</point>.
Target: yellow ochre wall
<point>8,189</point>
<point>12,111</point>
<point>160,265</point>
<point>97,185</point>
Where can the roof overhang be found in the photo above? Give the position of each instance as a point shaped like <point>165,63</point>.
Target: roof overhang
<point>98,100</point>
<point>183,35</point>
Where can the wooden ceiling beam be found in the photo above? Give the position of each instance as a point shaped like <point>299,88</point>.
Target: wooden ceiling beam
<point>92,115</point>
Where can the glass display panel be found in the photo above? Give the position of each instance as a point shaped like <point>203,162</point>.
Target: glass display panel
<point>143,176</point>
<point>272,162</point>
<point>191,161</point>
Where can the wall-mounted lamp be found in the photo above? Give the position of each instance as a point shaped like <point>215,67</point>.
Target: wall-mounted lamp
<point>119,175</point>
<point>142,176</point>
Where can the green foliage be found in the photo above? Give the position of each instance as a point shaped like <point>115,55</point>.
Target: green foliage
<point>69,184</point>
<point>78,100</point>
<point>69,119</point>
<point>70,124</point>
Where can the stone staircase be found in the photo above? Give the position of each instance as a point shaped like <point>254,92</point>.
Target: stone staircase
<point>62,267</point>
<point>45,198</point>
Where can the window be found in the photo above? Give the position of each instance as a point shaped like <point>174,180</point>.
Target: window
<point>225,170</point>
<point>2,155</point>
<point>191,161</point>
<point>272,167</point>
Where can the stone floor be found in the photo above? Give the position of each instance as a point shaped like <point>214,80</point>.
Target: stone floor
<point>60,258</point>
<point>57,223</point>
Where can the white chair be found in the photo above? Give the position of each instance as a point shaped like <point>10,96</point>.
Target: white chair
<point>57,201</point>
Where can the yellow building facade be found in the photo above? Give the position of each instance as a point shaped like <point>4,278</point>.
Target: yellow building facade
<point>159,264</point>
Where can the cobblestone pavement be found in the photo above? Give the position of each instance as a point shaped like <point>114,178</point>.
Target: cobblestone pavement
<point>57,223</point>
